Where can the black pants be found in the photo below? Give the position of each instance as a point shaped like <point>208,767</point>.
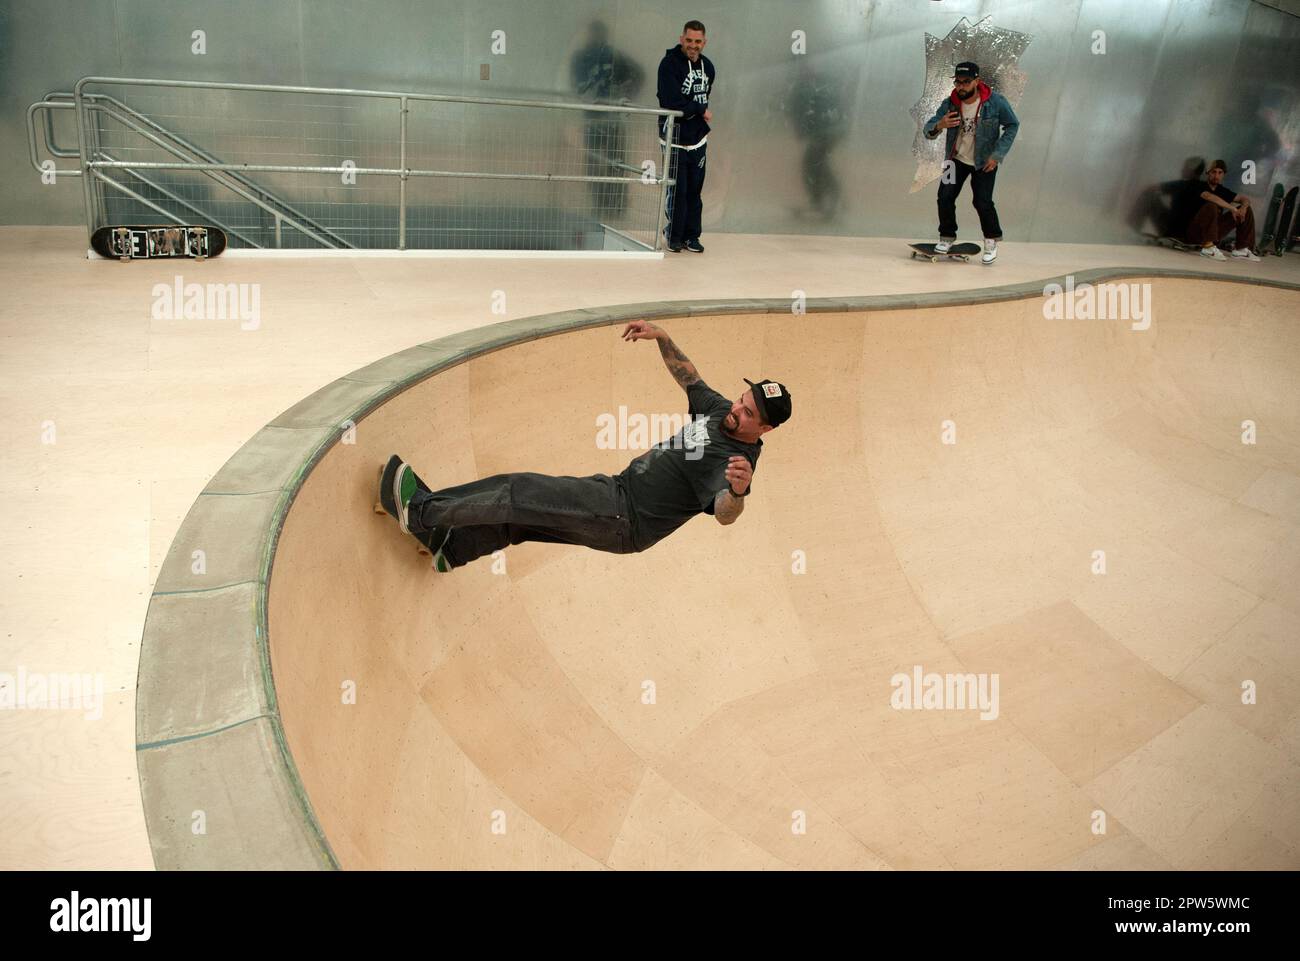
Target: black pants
<point>685,208</point>
<point>489,514</point>
<point>981,184</point>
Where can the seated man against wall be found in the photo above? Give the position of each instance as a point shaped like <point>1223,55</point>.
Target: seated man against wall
<point>1217,212</point>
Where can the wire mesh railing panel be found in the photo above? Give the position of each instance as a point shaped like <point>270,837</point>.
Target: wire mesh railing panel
<point>288,168</point>
<point>556,211</point>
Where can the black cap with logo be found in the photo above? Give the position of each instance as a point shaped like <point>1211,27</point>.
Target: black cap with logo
<point>965,70</point>
<point>772,401</point>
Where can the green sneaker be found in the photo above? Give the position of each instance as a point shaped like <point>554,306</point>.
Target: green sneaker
<point>397,485</point>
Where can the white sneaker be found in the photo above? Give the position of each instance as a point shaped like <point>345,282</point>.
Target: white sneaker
<point>943,246</point>
<point>1214,253</point>
<point>990,252</point>
<point>1245,253</point>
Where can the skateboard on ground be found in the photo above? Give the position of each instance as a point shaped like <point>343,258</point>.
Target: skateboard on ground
<point>424,539</point>
<point>1174,242</point>
<point>146,243</point>
<point>1270,219</point>
<point>955,252</point>
<point>1284,226</point>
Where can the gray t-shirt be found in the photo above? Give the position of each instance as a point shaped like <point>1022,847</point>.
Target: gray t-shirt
<point>678,478</point>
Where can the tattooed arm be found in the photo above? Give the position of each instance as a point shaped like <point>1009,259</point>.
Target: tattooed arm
<point>727,507</point>
<point>679,365</point>
<point>727,504</point>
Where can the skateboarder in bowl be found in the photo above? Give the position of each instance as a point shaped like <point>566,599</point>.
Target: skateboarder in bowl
<point>707,467</point>
<point>981,128</point>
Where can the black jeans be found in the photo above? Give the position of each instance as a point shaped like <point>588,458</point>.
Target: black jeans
<point>981,184</point>
<point>685,208</point>
<point>489,514</point>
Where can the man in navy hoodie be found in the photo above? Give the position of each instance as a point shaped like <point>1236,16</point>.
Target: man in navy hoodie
<point>981,128</point>
<point>685,80</point>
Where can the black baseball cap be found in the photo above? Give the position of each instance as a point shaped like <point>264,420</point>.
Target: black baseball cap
<point>772,401</point>
<point>965,70</point>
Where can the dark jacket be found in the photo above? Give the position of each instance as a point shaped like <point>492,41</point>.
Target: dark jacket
<point>996,125</point>
<point>690,96</point>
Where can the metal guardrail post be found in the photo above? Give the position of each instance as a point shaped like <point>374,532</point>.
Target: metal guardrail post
<point>401,184</point>
<point>96,153</point>
<point>87,187</point>
<point>664,179</point>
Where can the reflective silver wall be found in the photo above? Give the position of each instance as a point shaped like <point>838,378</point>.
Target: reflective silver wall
<point>818,142</point>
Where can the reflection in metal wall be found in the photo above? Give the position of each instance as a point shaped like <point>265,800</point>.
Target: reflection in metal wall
<point>995,49</point>
<point>812,130</point>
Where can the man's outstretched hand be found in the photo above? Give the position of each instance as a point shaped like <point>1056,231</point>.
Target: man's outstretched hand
<point>739,473</point>
<point>642,330</point>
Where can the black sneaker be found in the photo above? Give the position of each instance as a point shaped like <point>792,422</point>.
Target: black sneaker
<point>674,246</point>
<point>694,246</point>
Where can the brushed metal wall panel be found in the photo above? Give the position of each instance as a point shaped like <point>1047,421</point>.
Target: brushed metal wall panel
<point>813,143</point>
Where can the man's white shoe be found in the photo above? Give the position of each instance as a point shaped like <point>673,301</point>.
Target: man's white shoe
<point>943,246</point>
<point>1245,253</point>
<point>990,252</point>
<point>1213,252</point>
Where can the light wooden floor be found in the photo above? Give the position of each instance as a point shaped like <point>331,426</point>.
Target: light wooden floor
<point>145,411</point>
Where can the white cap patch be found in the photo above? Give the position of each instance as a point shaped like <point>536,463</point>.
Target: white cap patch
<point>771,390</point>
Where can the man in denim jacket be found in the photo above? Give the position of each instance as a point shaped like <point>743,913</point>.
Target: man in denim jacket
<point>981,128</point>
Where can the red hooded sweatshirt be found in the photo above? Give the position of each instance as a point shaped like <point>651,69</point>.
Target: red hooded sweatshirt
<point>985,92</point>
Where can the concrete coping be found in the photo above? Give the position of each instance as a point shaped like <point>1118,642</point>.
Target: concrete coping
<point>208,730</point>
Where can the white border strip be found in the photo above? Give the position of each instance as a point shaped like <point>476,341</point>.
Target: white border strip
<point>251,253</point>
<point>274,254</point>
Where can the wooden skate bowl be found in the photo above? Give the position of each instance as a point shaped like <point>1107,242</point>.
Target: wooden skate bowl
<point>723,700</point>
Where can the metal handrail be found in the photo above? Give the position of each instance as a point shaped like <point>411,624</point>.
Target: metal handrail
<point>381,94</point>
<point>190,165</point>
<point>47,106</point>
<point>288,212</point>
<point>50,99</point>
<point>374,171</point>
<point>93,161</point>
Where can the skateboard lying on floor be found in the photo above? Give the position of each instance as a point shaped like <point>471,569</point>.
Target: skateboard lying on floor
<point>424,538</point>
<point>146,243</point>
<point>955,252</point>
<point>1174,242</point>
